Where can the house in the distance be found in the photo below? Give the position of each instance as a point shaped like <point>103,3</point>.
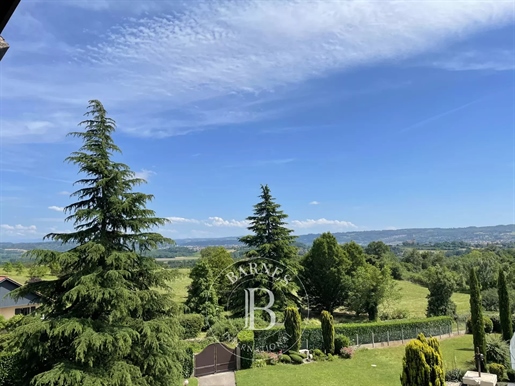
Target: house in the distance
<point>10,307</point>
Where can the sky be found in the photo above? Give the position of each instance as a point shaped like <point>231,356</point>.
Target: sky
<point>359,115</point>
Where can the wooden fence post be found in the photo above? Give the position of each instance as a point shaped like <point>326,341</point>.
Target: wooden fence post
<point>373,343</point>
<point>402,335</point>
<point>388,336</point>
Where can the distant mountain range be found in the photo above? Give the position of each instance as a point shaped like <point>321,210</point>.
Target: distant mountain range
<point>474,235</point>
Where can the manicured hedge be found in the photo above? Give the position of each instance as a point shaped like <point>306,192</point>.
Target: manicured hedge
<point>187,362</point>
<point>6,369</point>
<point>274,339</point>
<point>246,345</point>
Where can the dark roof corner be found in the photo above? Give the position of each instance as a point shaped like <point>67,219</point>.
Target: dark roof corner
<point>3,47</point>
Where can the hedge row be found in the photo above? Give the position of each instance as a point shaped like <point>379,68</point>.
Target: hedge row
<point>6,369</point>
<point>246,345</point>
<point>359,333</point>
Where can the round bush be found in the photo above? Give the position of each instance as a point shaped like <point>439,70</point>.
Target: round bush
<point>340,342</point>
<point>489,325</point>
<point>291,352</point>
<point>285,358</point>
<point>497,369</point>
<point>454,375</point>
<point>497,350</point>
<point>192,325</point>
<point>296,359</point>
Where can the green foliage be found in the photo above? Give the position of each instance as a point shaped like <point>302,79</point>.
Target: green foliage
<point>202,297</point>
<point>504,307</point>
<point>296,359</point>
<point>441,285</point>
<point>497,350</point>
<point>324,273</point>
<point>187,362</point>
<point>377,252</point>
<point>292,325</point>
<point>38,271</point>
<point>7,369</point>
<point>454,375</point>
<point>510,375</point>
<point>422,365</point>
<point>218,259</point>
<point>487,323</point>
<point>497,369</point>
<point>478,324</point>
<point>395,330</point>
<point>490,299</point>
<point>271,239</point>
<point>192,325</point>
<point>341,341</point>
<point>284,358</point>
<point>355,254</point>
<point>226,330</point>
<point>246,345</point>
<point>109,317</point>
<point>8,267</point>
<point>393,314</point>
<point>346,352</point>
<point>370,287</point>
<point>327,332</point>
<point>318,355</point>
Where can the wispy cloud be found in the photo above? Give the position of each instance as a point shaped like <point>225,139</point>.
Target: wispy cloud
<point>17,230</point>
<point>322,222</point>
<point>64,193</point>
<point>489,60</point>
<point>56,208</point>
<point>210,222</point>
<point>210,61</point>
<point>145,174</point>
<point>314,203</point>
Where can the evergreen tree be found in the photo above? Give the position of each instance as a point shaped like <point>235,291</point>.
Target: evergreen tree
<point>218,259</point>
<point>202,296</point>
<point>422,364</point>
<point>106,319</point>
<point>324,273</point>
<point>327,332</point>
<point>292,326</point>
<point>271,239</point>
<point>504,307</point>
<point>441,285</point>
<point>355,254</point>
<point>476,314</point>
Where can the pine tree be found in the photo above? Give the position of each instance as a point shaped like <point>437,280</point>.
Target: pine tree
<point>106,320</point>
<point>271,239</point>
<point>202,296</point>
<point>292,326</point>
<point>327,332</point>
<point>504,307</point>
<point>476,314</point>
<point>422,364</point>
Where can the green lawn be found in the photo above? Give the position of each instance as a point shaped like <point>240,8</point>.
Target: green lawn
<point>180,285</point>
<point>413,299</point>
<point>357,371</point>
<point>23,276</point>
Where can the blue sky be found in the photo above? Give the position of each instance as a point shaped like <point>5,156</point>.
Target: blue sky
<point>359,115</point>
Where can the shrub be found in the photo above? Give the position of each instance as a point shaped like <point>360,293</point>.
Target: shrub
<point>330,357</point>
<point>454,375</point>
<point>496,322</point>
<point>246,345</point>
<point>497,369</point>
<point>272,358</point>
<point>318,355</point>
<point>226,330</point>
<point>285,358</point>
<point>292,352</point>
<point>422,364</point>
<point>489,325</point>
<point>7,365</point>
<point>346,352</point>
<point>511,375</point>
<point>296,359</point>
<point>192,325</point>
<point>328,332</point>
<point>186,359</point>
<point>497,350</point>
<point>292,325</point>
<point>395,314</point>
<point>340,342</point>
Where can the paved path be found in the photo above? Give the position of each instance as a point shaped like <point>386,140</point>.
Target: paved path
<point>221,379</point>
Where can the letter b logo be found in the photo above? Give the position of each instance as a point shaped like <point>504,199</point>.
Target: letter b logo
<point>250,308</point>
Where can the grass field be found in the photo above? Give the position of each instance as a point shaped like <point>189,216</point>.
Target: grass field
<point>23,276</point>
<point>180,285</point>
<point>413,299</point>
<point>357,371</point>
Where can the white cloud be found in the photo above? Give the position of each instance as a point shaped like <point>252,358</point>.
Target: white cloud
<point>56,208</point>
<point>145,174</point>
<point>314,203</point>
<point>322,222</point>
<point>210,222</point>
<point>17,230</point>
<point>207,61</point>
<point>491,60</point>
<point>182,220</point>
<point>64,193</point>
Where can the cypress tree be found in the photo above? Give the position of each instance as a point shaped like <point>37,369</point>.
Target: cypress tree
<point>106,319</point>
<point>328,332</point>
<point>504,307</point>
<point>292,326</point>
<point>476,314</point>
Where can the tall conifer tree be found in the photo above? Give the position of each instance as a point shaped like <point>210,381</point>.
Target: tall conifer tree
<point>103,321</point>
<point>476,314</point>
<point>504,307</point>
